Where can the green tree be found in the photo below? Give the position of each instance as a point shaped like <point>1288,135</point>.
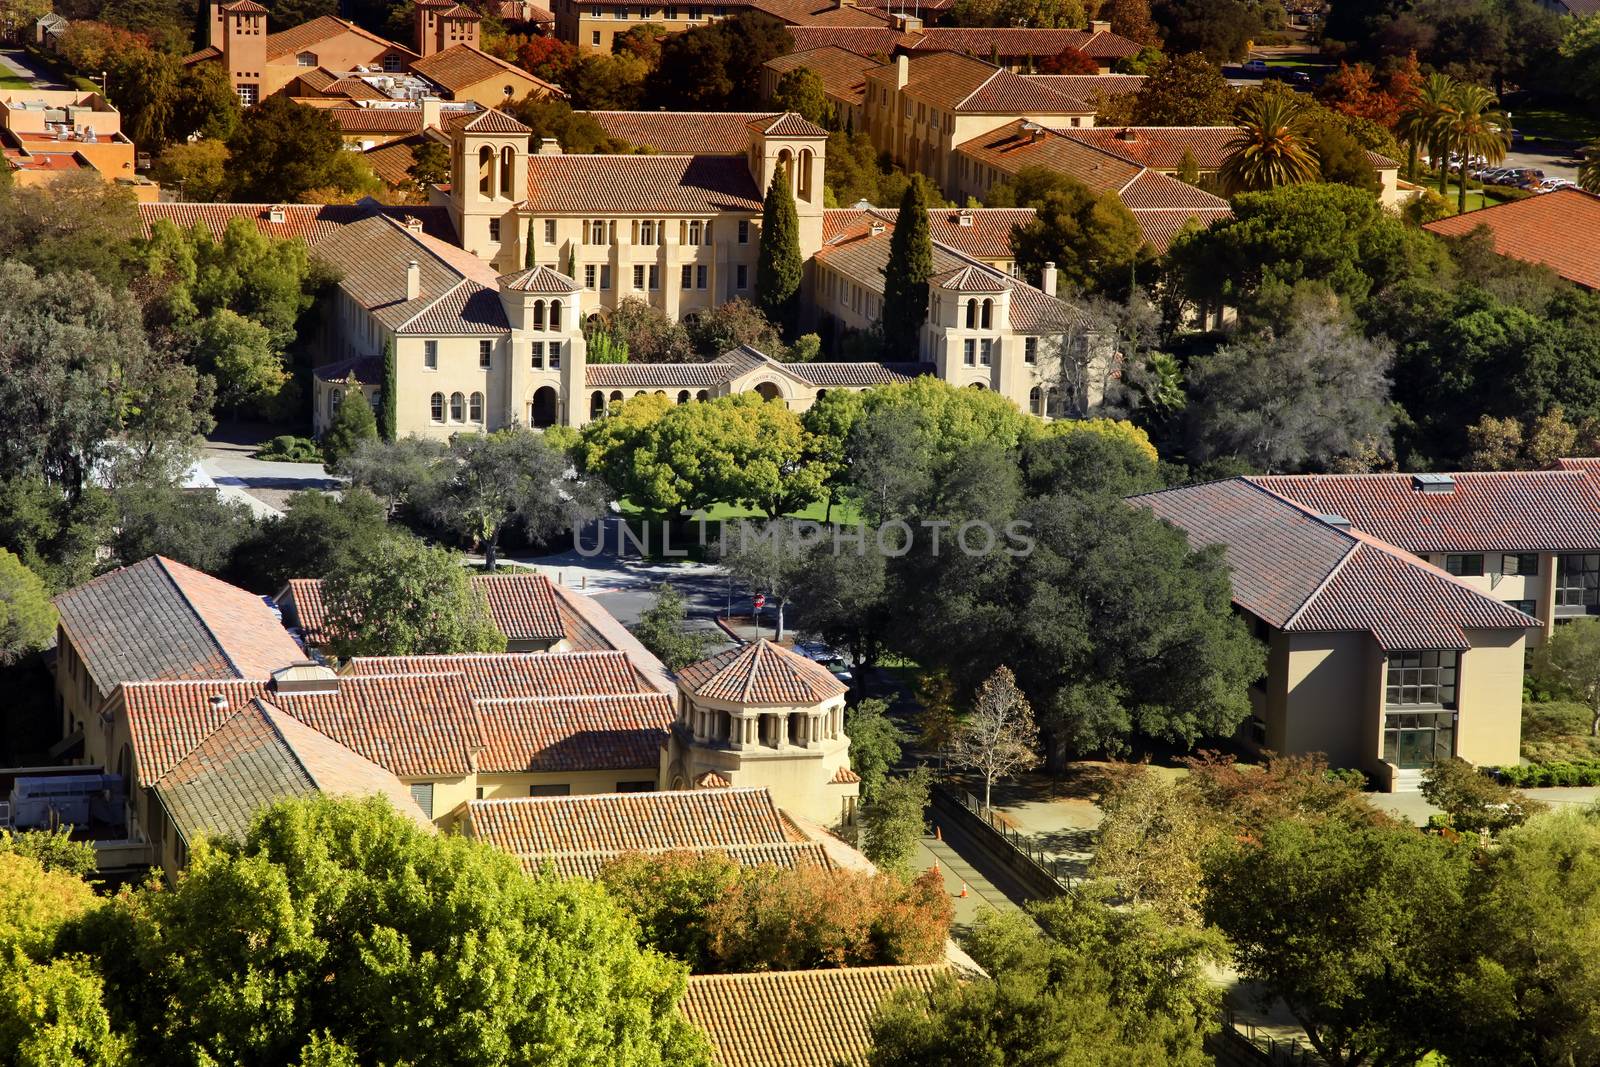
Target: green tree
<point>315,534</point>
<point>1474,128</point>
<point>353,424</point>
<point>200,529</point>
<point>344,922</point>
<point>1271,148</point>
<point>77,222</point>
<point>512,478</point>
<point>717,67</point>
<point>661,629</point>
<point>730,324</point>
<point>905,277</point>
<point>199,169</point>
<point>779,269</point>
<point>390,395</point>
<point>399,597</point>
<point>1185,89</point>
<point>1300,400</point>
<point>1473,801</point>
<point>430,165</point>
<point>396,472</point>
<point>893,821</point>
<point>769,561</point>
<point>875,742</point>
<point>1589,168</point>
<point>56,536</point>
<point>54,850</point>
<point>801,91</point>
<point>281,151</point>
<point>27,618</point>
<point>52,1013</point>
<point>1568,665</point>
<point>241,358</point>
<point>1092,238</point>
<point>846,600</point>
<point>1355,936</point>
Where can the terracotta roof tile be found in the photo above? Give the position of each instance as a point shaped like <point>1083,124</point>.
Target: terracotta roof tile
<point>797,1018</point>
<point>367,370</point>
<point>590,864</point>
<point>392,162</point>
<point>844,776</point>
<point>493,121</point>
<point>1024,41</point>
<point>354,89</point>
<point>761,673</point>
<point>635,185</point>
<point>1561,230</point>
<point>376,119</point>
<point>1298,573</point>
<point>310,34</point>
<point>523,606</point>
<point>862,40</point>
<point>820,13</point>
<point>159,619</point>
<point>501,675</point>
<point>682,133</point>
<point>310,222</point>
<point>697,819</point>
<point>573,733</point>
<point>1089,86</point>
<point>461,66</point>
<point>711,780</point>
<point>857,375</point>
<point>540,279</point>
<point>168,720</point>
<point>1508,511</point>
<point>1161,147</point>
<point>987,234</point>
<point>413,725</point>
<point>843,72</point>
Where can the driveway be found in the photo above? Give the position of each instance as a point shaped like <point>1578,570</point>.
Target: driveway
<point>18,63</point>
<point>265,485</point>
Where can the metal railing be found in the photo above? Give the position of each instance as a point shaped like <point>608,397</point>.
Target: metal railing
<point>1271,1048</point>
<point>1050,866</point>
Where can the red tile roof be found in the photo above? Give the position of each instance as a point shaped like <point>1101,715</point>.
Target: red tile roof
<point>310,34</point>
<point>310,222</point>
<point>843,72</point>
<point>761,673</point>
<point>523,606</point>
<point>862,40</point>
<point>376,119</point>
<point>574,733</point>
<point>591,864</point>
<point>1505,511</point>
<point>696,819</point>
<point>159,619</point>
<point>461,66</point>
<point>500,675</point>
<point>987,234</point>
<point>1010,41</point>
<point>964,84</point>
<point>681,133</point>
<point>540,279</point>
<point>636,185</point>
<point>1560,230</point>
<point>1299,573</point>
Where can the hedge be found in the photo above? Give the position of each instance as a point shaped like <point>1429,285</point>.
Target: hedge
<point>1539,775</point>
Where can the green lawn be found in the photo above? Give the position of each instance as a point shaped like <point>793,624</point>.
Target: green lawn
<point>9,80</point>
<point>1564,124</point>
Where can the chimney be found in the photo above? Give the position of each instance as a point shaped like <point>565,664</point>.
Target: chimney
<point>218,702</point>
<point>549,146</point>
<point>878,228</point>
<point>1047,281</point>
<point>1099,26</point>
<point>902,71</point>
<point>432,110</point>
<point>413,280</point>
<point>1127,133</point>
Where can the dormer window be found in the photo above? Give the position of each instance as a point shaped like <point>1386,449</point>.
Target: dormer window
<point>306,59</point>
<point>277,214</point>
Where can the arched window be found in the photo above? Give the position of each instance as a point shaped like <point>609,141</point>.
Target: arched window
<point>436,407</point>
<point>821,393</point>
<point>475,407</point>
<point>977,385</point>
<point>988,313</point>
<point>486,170</point>
<point>458,408</point>
<point>683,396</point>
<point>506,170</point>
<point>972,314</point>
<point>1036,400</point>
<point>555,314</point>
<point>538,314</point>
<point>597,405</point>
<point>616,397</point>
<point>786,161</point>
<point>694,232</point>
<point>804,177</point>
<point>335,399</point>
<point>702,395</point>
<point>661,392</point>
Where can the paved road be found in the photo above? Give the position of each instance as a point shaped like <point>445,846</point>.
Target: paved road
<point>17,62</point>
<point>264,484</point>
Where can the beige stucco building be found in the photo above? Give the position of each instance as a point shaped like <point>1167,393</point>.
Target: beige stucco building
<point>1375,658</point>
<point>45,133</point>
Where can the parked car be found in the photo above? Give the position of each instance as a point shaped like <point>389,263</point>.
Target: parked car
<point>1256,66</point>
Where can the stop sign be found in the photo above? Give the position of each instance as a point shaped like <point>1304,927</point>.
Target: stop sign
<point>761,600</point>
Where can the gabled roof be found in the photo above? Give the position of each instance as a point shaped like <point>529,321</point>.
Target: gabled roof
<point>1298,573</point>
<point>310,34</point>
<point>461,66</point>
<point>986,235</point>
<point>1089,86</point>
<point>590,864</point>
<point>964,84</point>
<point>967,279</point>
<point>698,819</point>
<point>761,673</point>
<point>1500,511</point>
<point>787,124</point>
<point>500,675</point>
<point>682,133</point>
<point>310,222</point>
<point>493,120</point>
<point>260,755</point>
<point>740,361</point>
<point>1560,230</point>
<point>862,40</point>
<point>574,733</point>
<point>636,185</point>
<point>843,72</point>
<point>159,619</point>
<point>523,606</point>
<point>1025,41</point>
<point>797,1018</point>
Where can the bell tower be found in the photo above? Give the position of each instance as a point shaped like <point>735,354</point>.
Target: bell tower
<point>800,148</point>
<point>488,178</point>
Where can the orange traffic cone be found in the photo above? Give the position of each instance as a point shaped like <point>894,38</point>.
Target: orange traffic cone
<point>963,890</point>
<point>938,833</point>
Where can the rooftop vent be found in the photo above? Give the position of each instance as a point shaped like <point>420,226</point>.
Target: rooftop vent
<point>306,676</point>
<point>1128,133</point>
<point>1438,484</point>
<point>277,214</point>
<point>218,702</point>
<point>1338,522</point>
<point>965,218</point>
<point>877,228</point>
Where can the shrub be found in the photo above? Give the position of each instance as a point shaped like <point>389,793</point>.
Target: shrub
<point>290,449</point>
<point>1476,802</point>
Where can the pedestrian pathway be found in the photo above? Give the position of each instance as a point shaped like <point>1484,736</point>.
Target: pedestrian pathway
<point>15,62</point>
<point>960,875</point>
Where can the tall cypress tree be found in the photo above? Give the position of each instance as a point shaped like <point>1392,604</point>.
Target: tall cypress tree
<point>779,268</point>
<point>391,386</point>
<point>905,279</point>
<point>572,263</point>
<point>527,253</point>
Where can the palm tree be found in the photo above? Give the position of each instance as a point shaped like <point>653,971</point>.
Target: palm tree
<point>1475,128</point>
<point>1589,168</point>
<point>1419,122</point>
<point>1271,147</point>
